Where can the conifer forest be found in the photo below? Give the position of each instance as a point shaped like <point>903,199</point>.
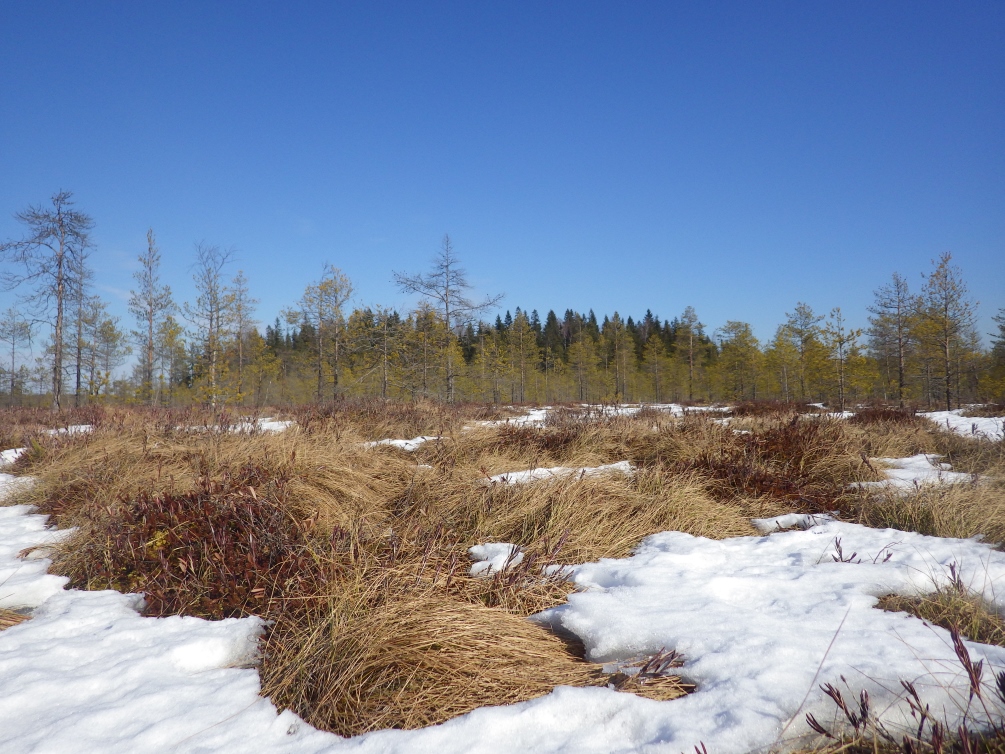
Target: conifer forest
<point>60,345</point>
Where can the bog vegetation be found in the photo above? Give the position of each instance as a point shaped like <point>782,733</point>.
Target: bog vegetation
<point>357,553</point>
<point>921,346</point>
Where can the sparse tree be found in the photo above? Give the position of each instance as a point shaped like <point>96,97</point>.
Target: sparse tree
<point>949,313</point>
<point>210,311</point>
<point>446,286</point>
<point>322,307</point>
<point>803,328</point>
<point>243,323</point>
<point>839,341</point>
<point>15,331</point>
<point>890,327</point>
<point>150,304</point>
<point>51,253</point>
<point>689,330</point>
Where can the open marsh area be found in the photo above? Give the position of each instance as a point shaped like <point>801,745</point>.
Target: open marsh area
<point>509,578</point>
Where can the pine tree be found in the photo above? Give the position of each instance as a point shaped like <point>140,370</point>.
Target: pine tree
<point>890,330</point>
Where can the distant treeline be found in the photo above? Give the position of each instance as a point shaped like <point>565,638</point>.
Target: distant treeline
<point>920,347</point>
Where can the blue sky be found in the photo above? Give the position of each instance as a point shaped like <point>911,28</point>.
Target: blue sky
<point>738,157</point>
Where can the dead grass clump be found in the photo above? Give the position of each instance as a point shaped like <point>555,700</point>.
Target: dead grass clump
<point>376,419</point>
<point>885,415</point>
<point>367,655</point>
<point>954,609</point>
<point>606,516</point>
<point>987,410</point>
<point>10,618</point>
<point>808,462</point>
<point>770,408</point>
<point>956,510</point>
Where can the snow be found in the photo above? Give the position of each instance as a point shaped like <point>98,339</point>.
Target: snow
<point>790,521</point>
<point>761,622</point>
<point>409,445</point>
<point>992,428</point>
<point>73,429</point>
<point>8,457</point>
<point>533,475</point>
<point>909,474</point>
<point>493,557</point>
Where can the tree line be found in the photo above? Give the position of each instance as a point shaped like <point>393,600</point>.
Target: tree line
<point>921,347</point>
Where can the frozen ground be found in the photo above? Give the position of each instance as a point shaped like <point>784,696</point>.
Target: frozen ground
<point>761,621</point>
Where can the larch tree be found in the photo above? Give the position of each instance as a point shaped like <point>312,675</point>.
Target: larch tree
<point>322,306</point>
<point>209,313</point>
<point>840,341</point>
<point>150,304</point>
<point>949,313</point>
<point>689,331</point>
<point>446,286</point>
<point>50,254</point>
<point>890,327</point>
<point>15,332</point>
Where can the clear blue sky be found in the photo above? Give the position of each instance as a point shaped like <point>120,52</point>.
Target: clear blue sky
<point>738,157</point>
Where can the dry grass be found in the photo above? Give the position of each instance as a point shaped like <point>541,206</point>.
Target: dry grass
<point>359,555</point>
<point>959,510</point>
<point>10,618</point>
<point>366,655</point>
<point>962,611</point>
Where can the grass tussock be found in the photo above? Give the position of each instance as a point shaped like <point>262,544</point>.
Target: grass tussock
<point>809,463</point>
<point>958,511</point>
<point>366,656</point>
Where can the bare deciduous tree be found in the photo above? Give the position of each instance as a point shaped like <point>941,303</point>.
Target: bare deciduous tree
<point>446,285</point>
<point>321,305</point>
<point>150,304</point>
<point>15,331</point>
<point>51,254</point>
<point>210,311</point>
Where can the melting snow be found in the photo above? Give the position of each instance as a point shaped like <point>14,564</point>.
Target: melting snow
<point>992,428</point>
<point>409,445</point>
<point>908,474</point>
<point>493,557</point>
<point>7,457</point>
<point>532,475</point>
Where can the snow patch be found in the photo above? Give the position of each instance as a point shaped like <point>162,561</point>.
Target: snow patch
<point>533,475</point>
<point>409,445</point>
<point>909,474</point>
<point>992,428</point>
<point>493,557</point>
